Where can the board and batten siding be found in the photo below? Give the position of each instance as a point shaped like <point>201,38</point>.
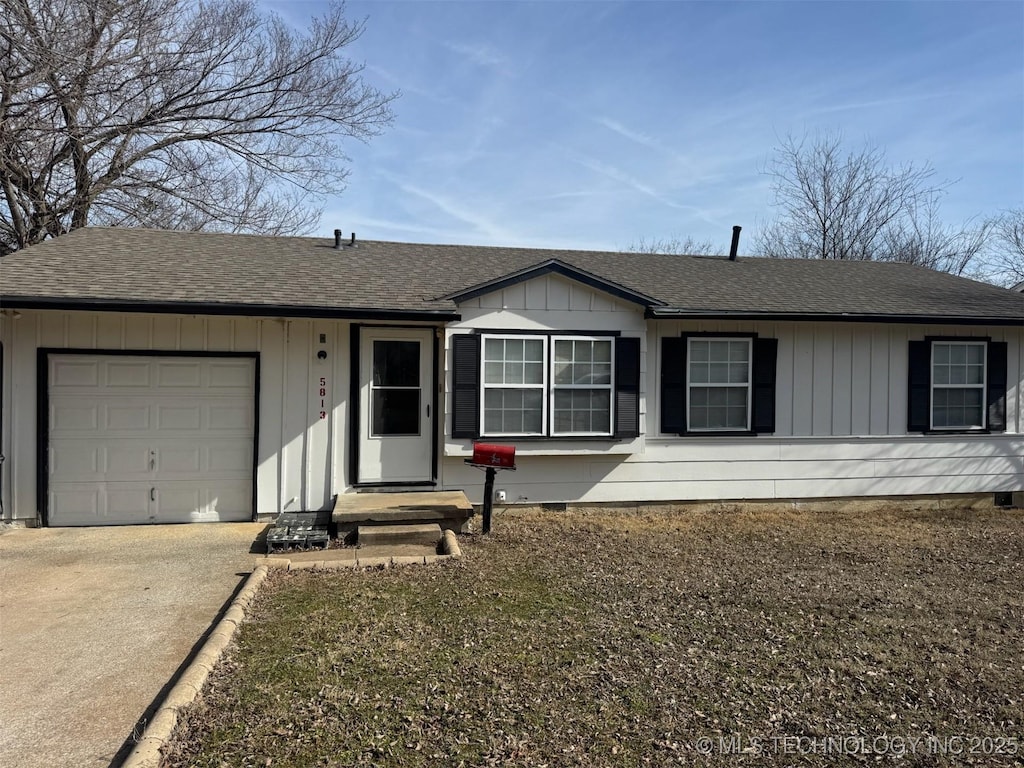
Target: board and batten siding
<point>549,303</point>
<point>841,430</point>
<point>299,457</point>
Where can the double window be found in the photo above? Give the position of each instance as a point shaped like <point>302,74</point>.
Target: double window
<point>545,385</point>
<point>539,385</point>
<point>956,385</point>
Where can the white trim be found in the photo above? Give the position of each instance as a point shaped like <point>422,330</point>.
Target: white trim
<point>543,386</point>
<point>610,386</point>
<point>932,386</point>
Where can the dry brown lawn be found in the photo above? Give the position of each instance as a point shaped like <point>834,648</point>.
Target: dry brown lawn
<point>605,639</point>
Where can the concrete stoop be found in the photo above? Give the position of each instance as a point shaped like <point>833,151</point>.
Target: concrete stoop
<point>382,535</point>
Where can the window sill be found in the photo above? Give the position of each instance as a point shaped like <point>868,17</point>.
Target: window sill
<point>553,446</point>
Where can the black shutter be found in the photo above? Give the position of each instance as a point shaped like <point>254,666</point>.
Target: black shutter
<point>465,385</point>
<point>762,418</point>
<point>627,387</point>
<point>919,383</point>
<point>673,385</point>
<point>996,395</point>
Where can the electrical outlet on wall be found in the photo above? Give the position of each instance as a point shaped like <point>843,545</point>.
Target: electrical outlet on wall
<point>500,496</point>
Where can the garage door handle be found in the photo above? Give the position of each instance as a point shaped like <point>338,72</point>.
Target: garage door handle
<point>152,494</point>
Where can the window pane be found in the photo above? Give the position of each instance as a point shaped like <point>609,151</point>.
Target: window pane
<point>563,373</point>
<point>976,354</point>
<point>582,410</point>
<point>719,373</point>
<point>533,350</point>
<point>699,351</point>
<point>602,374</point>
<point>494,349</point>
<point>494,373</point>
<point>957,374</point>
<point>396,411</point>
<point>533,373</point>
<point>940,374</point>
<point>698,373</point>
<point>563,351</point>
<point>513,349</point>
<point>602,352</point>
<point>717,396</point>
<point>737,397</point>
<point>699,396</point>
<point>396,363</point>
<point>719,351</point>
<point>738,373</point>
<point>941,353</point>
<point>739,351</point>
<point>513,373</point>
<point>975,374</point>
<point>716,417</point>
<point>958,353</point>
<point>972,397</point>
<point>736,418</point>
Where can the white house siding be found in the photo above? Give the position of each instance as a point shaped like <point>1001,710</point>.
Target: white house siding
<point>841,402</point>
<point>300,457</point>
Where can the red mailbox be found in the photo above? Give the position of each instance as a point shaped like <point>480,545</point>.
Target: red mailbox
<point>497,456</point>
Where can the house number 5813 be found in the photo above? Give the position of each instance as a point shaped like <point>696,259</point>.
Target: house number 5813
<point>323,395</point>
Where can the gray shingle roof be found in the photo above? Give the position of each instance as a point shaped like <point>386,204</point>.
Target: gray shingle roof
<point>123,266</point>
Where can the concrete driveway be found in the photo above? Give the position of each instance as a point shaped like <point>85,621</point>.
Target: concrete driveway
<point>94,622</point>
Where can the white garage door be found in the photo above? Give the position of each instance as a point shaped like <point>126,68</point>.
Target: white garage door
<point>138,439</point>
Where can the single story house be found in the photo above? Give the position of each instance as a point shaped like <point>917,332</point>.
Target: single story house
<point>156,376</point>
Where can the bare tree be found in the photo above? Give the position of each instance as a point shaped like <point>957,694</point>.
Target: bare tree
<point>683,246</point>
<point>173,113</point>
<point>1006,257</point>
<point>839,204</point>
<point>921,238</point>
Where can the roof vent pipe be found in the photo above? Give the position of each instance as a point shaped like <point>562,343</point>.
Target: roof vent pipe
<point>337,238</point>
<point>735,242</point>
<point>353,241</point>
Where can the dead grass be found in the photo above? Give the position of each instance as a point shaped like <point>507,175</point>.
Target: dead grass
<point>600,639</point>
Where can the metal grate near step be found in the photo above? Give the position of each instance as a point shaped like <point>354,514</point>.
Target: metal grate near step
<point>300,530</point>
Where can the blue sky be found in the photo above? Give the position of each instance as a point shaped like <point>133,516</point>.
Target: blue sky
<point>596,124</point>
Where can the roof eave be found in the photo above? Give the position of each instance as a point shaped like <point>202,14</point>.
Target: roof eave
<point>226,308</point>
<point>833,317</point>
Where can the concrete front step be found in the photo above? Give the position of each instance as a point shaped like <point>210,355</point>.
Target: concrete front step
<point>371,535</point>
<point>449,509</point>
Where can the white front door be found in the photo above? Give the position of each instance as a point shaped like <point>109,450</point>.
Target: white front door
<point>396,401</point>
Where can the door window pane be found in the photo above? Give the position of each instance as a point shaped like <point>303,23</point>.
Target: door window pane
<point>396,412</point>
<point>396,363</point>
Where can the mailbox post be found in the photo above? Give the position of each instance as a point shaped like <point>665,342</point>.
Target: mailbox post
<point>491,458</point>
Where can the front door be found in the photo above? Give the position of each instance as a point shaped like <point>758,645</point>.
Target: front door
<point>396,430</point>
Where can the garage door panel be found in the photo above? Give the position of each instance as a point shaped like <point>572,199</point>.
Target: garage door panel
<point>228,458</point>
<point>179,417</point>
<point>150,439</point>
<point>133,374</point>
<point>233,417</point>
<point>230,375</point>
<point>74,417</point>
<point>178,374</point>
<point>76,461</point>
<point>80,502</point>
<point>187,459</point>
<point>127,416</point>
<point>131,461</point>
<point>69,373</point>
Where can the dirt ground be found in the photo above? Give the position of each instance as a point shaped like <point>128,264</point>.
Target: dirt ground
<point>700,637</point>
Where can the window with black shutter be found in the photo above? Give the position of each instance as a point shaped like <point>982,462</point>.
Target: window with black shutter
<point>956,384</point>
<point>717,384</point>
